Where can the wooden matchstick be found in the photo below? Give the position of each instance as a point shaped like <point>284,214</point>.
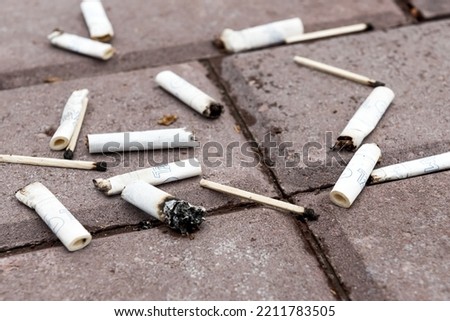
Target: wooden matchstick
<point>328,33</point>
<point>68,154</point>
<point>306,212</point>
<point>53,162</point>
<point>337,72</point>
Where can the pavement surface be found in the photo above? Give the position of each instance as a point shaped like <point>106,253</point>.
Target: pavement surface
<point>273,138</point>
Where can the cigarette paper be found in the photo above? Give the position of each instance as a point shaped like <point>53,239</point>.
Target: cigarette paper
<point>69,119</point>
<point>261,36</point>
<point>94,14</point>
<point>153,175</point>
<point>365,119</point>
<point>65,226</point>
<point>189,94</point>
<point>328,33</point>
<point>68,154</point>
<point>412,168</point>
<point>355,175</point>
<point>53,162</point>
<point>337,72</point>
<point>81,45</point>
<point>145,140</point>
<point>177,214</point>
<point>307,212</point>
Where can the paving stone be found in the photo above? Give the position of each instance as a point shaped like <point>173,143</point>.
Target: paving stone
<point>147,35</point>
<point>432,9</point>
<point>121,102</point>
<point>305,110</point>
<point>253,254</point>
<point>393,243</point>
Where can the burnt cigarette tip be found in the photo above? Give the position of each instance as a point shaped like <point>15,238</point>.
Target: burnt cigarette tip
<point>183,217</point>
<point>101,166</point>
<point>214,111</point>
<point>68,154</point>
<point>377,83</point>
<point>218,43</point>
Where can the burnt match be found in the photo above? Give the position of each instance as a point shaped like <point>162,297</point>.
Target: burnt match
<point>329,33</point>
<point>53,162</point>
<point>302,211</point>
<point>337,72</point>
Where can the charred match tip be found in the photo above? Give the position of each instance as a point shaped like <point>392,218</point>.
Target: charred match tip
<point>68,154</point>
<point>369,27</point>
<point>214,111</point>
<point>310,214</point>
<point>101,166</point>
<point>376,83</point>
<point>182,216</point>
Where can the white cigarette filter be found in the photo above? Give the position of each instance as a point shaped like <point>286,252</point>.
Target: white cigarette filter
<point>355,175</point>
<point>261,36</point>
<point>189,94</point>
<point>65,226</point>
<point>412,168</point>
<point>94,14</point>
<point>81,45</point>
<point>365,119</point>
<point>177,214</point>
<point>153,175</point>
<point>145,140</point>
<point>69,119</point>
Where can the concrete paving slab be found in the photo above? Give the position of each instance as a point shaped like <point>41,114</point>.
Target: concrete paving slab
<point>432,9</point>
<point>147,35</point>
<point>121,102</point>
<point>253,254</point>
<point>393,243</point>
<point>304,110</point>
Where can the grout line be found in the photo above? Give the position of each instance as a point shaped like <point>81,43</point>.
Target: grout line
<point>309,239</point>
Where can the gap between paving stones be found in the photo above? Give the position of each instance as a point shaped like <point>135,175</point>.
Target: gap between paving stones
<point>306,234</point>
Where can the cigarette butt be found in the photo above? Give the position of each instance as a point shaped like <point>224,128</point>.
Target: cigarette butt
<point>153,175</point>
<point>337,72</point>
<point>306,212</point>
<point>365,119</point>
<point>421,166</point>
<point>328,33</point>
<point>177,214</point>
<point>58,218</point>
<point>355,175</point>
<point>53,162</point>
<point>68,154</point>
<point>81,45</point>
<point>100,28</point>
<point>260,36</point>
<point>189,94</point>
<point>72,112</point>
<point>144,140</point>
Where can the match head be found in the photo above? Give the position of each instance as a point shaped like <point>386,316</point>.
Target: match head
<point>101,166</point>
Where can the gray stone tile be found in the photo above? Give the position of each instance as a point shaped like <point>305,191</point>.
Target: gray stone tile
<point>308,109</point>
<point>393,243</point>
<point>121,102</point>
<point>253,254</point>
<point>152,34</point>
